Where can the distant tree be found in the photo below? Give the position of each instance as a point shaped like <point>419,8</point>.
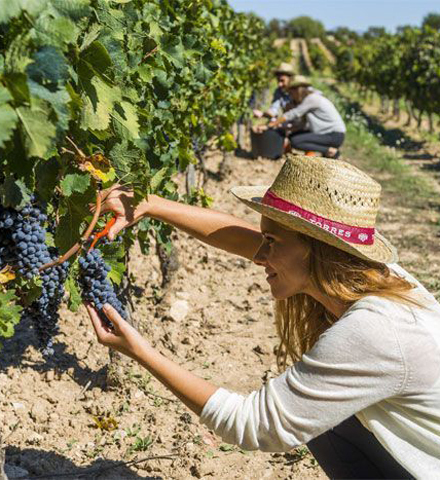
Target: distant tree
<point>305,27</point>
<point>432,20</point>
<point>275,27</point>
<point>403,28</point>
<point>374,32</point>
<point>344,33</point>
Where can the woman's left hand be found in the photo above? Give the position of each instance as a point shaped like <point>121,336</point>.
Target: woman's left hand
<point>123,337</point>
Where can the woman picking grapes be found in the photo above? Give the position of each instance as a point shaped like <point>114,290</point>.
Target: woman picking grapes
<point>363,391</point>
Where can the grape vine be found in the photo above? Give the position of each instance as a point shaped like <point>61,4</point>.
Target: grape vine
<point>98,92</point>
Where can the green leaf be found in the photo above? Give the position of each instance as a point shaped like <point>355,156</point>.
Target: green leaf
<point>75,210</point>
<point>48,67</point>
<point>59,101</point>
<point>98,105</point>
<point>157,178</point>
<point>38,131</point>
<point>8,117</point>
<point>13,8</point>
<point>14,193</point>
<point>74,183</point>
<point>117,272</point>
<point>75,299</point>
<point>126,120</point>
<point>46,174</point>
<point>17,85</point>
<point>9,313</point>
<point>94,60</point>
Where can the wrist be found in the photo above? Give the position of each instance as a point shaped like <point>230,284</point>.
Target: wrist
<point>146,207</point>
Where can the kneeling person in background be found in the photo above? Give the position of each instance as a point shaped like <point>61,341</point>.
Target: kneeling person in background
<point>327,129</point>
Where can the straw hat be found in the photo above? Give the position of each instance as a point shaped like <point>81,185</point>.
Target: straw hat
<point>285,69</point>
<point>327,199</point>
<point>299,81</point>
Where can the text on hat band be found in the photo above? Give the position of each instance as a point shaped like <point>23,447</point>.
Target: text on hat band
<point>349,233</point>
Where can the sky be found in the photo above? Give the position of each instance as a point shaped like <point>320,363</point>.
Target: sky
<point>355,14</point>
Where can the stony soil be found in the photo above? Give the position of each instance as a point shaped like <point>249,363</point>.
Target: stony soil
<point>59,417</point>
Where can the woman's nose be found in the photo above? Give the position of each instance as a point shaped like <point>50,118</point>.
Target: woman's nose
<point>260,256</point>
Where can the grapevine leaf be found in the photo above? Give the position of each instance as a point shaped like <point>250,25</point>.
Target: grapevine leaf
<point>49,67</point>
<point>13,8</point>
<point>94,60</point>
<point>8,117</point>
<point>99,167</point>
<point>124,159</point>
<point>75,299</point>
<point>75,212</point>
<point>186,156</point>
<point>90,36</point>
<point>55,31</point>
<point>38,131</point>
<point>74,10</point>
<point>14,193</point>
<point>157,178</point>
<point>98,105</point>
<point>17,85</point>
<point>6,275</point>
<point>47,177</point>
<point>58,100</point>
<point>74,183</point>
<point>9,313</point>
<point>117,270</point>
<point>227,142</point>
<point>126,120</point>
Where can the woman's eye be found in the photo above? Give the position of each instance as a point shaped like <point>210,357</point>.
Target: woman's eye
<point>269,240</point>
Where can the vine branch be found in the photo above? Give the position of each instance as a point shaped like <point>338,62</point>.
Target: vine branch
<point>84,237</point>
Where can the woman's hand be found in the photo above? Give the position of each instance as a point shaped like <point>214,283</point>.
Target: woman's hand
<point>259,128</point>
<point>258,113</point>
<point>120,201</point>
<point>123,337</point>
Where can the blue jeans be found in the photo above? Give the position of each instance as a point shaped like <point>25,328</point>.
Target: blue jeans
<point>317,142</point>
<point>349,450</point>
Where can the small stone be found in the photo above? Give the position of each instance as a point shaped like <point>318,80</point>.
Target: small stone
<point>38,412</point>
<point>34,438</point>
<point>54,417</point>
<point>50,375</point>
<point>183,295</point>
<point>209,440</point>
<point>17,406</point>
<point>179,310</point>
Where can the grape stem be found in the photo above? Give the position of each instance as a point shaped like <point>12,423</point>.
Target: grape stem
<point>84,237</point>
<point>148,54</point>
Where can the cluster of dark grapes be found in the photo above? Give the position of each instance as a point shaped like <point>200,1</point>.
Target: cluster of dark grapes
<point>199,148</point>
<point>43,312</point>
<point>253,100</point>
<point>23,237</point>
<point>23,248</point>
<point>96,288</point>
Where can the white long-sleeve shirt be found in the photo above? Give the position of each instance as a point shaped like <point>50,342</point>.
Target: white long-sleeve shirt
<point>320,112</point>
<point>380,361</point>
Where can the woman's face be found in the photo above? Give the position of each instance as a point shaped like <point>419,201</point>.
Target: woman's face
<point>283,81</point>
<point>284,255</point>
<point>295,94</point>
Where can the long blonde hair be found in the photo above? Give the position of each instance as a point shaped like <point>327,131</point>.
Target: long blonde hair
<point>300,319</point>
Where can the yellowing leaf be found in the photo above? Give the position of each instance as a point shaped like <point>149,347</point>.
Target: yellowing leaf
<point>218,45</point>
<point>98,166</point>
<point>6,275</point>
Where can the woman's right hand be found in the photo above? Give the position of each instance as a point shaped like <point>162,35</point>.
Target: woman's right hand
<point>120,201</point>
<point>121,337</point>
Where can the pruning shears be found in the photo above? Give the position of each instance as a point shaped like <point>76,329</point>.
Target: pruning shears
<point>102,233</point>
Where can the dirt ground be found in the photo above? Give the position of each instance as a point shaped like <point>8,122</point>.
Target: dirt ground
<point>58,417</point>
